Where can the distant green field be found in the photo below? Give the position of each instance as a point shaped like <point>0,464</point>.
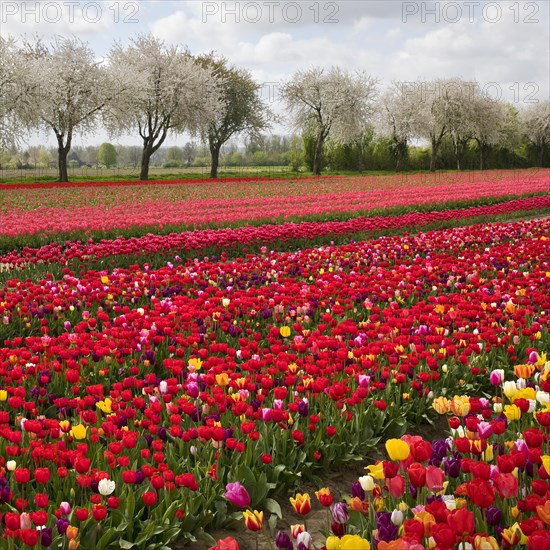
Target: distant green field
<point>128,174</point>
<point>105,174</point>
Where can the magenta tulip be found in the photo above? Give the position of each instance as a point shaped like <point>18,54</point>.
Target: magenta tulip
<point>237,495</point>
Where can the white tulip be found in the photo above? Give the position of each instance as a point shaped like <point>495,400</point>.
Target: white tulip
<point>106,486</point>
<point>397,517</point>
<point>367,483</point>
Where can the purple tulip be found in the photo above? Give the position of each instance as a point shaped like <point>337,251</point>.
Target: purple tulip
<point>237,495</point>
<point>493,515</point>
<point>283,541</point>
<point>357,490</point>
<point>62,524</point>
<point>46,537</point>
<point>339,512</point>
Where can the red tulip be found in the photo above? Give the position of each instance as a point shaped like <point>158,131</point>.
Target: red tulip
<point>99,512</point>
<point>539,540</point>
<point>506,485</point>
<point>149,498</point>
<point>444,535</point>
<point>12,520</point>
<point>22,475</point>
<point>417,474</point>
<point>81,514</point>
<point>42,475</point>
<point>462,521</point>
<point>480,492</point>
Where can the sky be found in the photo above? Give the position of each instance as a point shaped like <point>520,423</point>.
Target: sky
<point>504,45</point>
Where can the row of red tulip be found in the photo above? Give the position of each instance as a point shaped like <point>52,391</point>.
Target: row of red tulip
<point>58,210</point>
<point>200,239</point>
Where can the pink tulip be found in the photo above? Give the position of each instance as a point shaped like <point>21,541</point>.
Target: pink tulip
<point>434,478</point>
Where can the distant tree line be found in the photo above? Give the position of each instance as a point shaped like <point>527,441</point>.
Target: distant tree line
<point>340,120</point>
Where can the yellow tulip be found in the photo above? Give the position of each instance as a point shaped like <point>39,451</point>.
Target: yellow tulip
<point>546,463</point>
<point>354,542</point>
<point>441,405</point>
<point>514,535</point>
<point>509,388</point>
<point>512,412</point>
<point>3,395</point>
<point>485,542</point>
<point>285,331</point>
<point>376,470</point>
<point>105,280</point>
<point>525,393</point>
<point>79,431</point>
<point>301,504</point>
<point>105,406</point>
<point>460,405</point>
<point>397,449</point>
<point>194,364</point>
<point>488,454</point>
<point>333,543</point>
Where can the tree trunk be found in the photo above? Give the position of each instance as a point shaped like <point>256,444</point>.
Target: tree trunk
<point>62,153</point>
<point>482,147</point>
<point>317,154</point>
<point>458,155</point>
<point>435,147</point>
<point>400,151</point>
<point>215,154</point>
<point>158,133</point>
<point>145,158</point>
<point>540,155</point>
<point>460,151</point>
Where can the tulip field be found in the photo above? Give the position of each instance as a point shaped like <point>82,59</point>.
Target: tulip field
<point>184,357</point>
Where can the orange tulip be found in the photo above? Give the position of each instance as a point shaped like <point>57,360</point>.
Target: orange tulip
<point>393,545</point>
<point>543,512</point>
<point>524,371</point>
<point>427,521</point>
<point>358,505</point>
